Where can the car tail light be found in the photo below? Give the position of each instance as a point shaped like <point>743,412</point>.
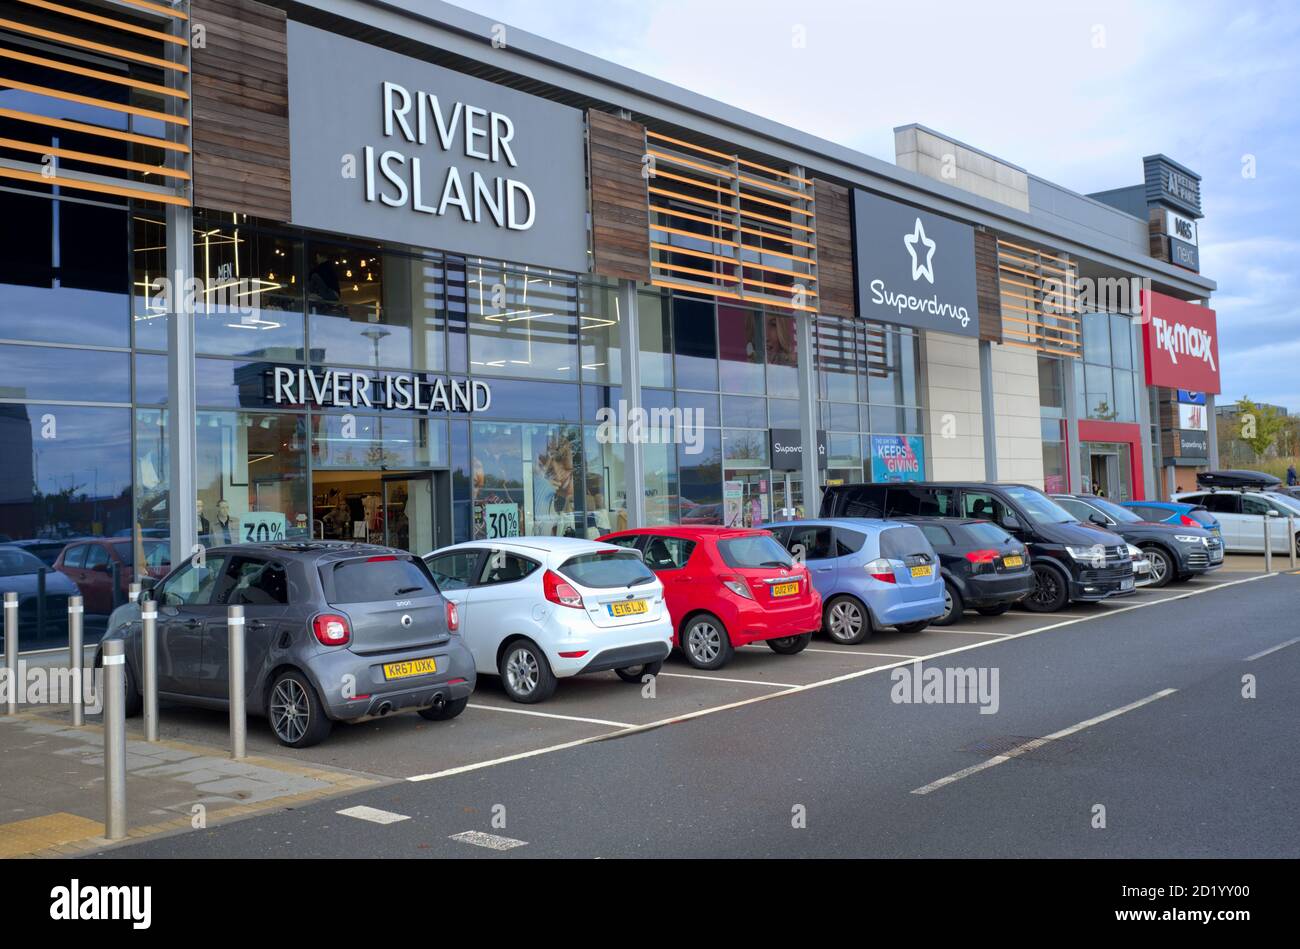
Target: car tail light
<point>737,586</point>
<point>453,617</point>
<point>982,560</point>
<point>332,629</point>
<point>558,590</point>
<point>382,558</point>
<point>882,570</point>
<point>1188,521</point>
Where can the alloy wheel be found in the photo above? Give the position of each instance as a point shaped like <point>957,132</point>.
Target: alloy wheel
<point>845,621</point>
<point>704,642</point>
<point>947,602</point>
<point>522,672</point>
<point>290,711</point>
<point>1159,568</point>
<point>1047,589</point>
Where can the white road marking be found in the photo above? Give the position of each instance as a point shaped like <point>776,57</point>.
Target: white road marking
<point>564,718</point>
<point>687,675</point>
<point>372,814</point>
<point>944,631</point>
<point>1036,743</point>
<point>1272,649</point>
<point>490,841</point>
<point>850,651</point>
<point>908,660</point>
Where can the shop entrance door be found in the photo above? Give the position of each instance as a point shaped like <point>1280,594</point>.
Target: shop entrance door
<point>409,510</point>
<point>1106,479</point>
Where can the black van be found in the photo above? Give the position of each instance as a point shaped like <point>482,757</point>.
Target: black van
<point>1071,561</point>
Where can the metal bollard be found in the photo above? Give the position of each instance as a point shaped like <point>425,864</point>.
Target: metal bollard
<point>133,593</point>
<point>1268,544</point>
<point>40,604</point>
<point>11,651</point>
<point>1292,541</point>
<point>235,664</point>
<point>76,658</point>
<point>149,656</point>
<point>114,739</point>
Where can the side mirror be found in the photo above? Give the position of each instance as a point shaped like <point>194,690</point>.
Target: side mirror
<point>1274,512</point>
<point>147,583</point>
<point>1098,520</point>
<point>1010,522</point>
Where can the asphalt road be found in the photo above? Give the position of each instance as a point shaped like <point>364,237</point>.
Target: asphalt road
<point>1139,712</point>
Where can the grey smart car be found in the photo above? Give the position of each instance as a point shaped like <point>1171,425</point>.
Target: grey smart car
<point>334,631</point>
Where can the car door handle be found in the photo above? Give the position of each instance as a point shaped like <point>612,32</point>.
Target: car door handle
<point>192,623</point>
<point>257,624</point>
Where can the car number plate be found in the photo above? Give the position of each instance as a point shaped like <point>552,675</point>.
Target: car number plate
<point>785,589</point>
<point>926,571</point>
<point>1216,555</point>
<point>1013,561</point>
<point>1126,583</point>
<point>412,667</point>
<point>628,608</point>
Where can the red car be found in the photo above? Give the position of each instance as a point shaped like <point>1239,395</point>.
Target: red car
<point>727,587</point>
<point>89,564</point>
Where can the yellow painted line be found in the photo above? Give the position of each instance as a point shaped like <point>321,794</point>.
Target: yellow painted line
<point>34,834</point>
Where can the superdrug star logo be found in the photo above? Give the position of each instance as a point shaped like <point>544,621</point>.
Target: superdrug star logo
<point>921,269</point>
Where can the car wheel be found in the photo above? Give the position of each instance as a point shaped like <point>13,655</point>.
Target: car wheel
<point>705,642</point>
<point>952,606</point>
<point>845,620</point>
<point>448,711</point>
<point>635,674</point>
<point>1163,568</point>
<point>1051,590</point>
<point>133,704</point>
<point>525,673</point>
<point>993,610</point>
<point>297,716</point>
<point>912,627</point>
<point>789,645</point>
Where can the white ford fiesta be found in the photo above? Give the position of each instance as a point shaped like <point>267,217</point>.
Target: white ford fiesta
<point>536,609</point>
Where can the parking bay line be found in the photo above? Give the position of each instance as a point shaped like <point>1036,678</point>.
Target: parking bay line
<point>699,713</point>
<point>372,814</point>
<point>490,841</point>
<point>687,675</point>
<point>1273,649</point>
<point>1037,743</point>
<point>565,718</point>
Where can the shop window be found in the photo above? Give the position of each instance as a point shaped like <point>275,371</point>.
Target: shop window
<point>891,420</point>
<point>837,361</point>
<point>150,379</point>
<point>782,355</point>
<point>231,383</point>
<point>252,476</point>
<point>600,329</point>
<point>537,468</point>
<point>695,344</point>
<point>522,324</point>
<point>892,361</point>
<point>838,416</point>
<point>79,296</point>
<point>1051,384</point>
<point>654,321</point>
<point>152,473</point>
<point>700,480</point>
<point>844,459</point>
<point>252,293</point>
<point>703,408</point>
<point>375,309</point>
<point>782,413</point>
<point>740,349</point>
<point>661,483</point>
<point>606,492</point>
<point>1121,341</point>
<point>1096,339</point>
<point>1125,399</point>
<point>82,375</point>
<point>556,402</point>
<point>1101,393</point>
<point>744,411</point>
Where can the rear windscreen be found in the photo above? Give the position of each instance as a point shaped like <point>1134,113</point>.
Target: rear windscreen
<point>620,568</point>
<point>899,543</point>
<point>367,581</point>
<point>986,534</point>
<point>760,550</point>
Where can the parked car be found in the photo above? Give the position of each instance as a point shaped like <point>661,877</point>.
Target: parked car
<point>1070,560</point>
<point>20,573</point>
<point>1176,512</point>
<point>1242,514</point>
<point>335,632</point>
<point>870,574</point>
<point>1175,552</point>
<point>727,587</point>
<point>89,562</point>
<point>534,610</point>
<point>47,551</point>
<point>983,567</point>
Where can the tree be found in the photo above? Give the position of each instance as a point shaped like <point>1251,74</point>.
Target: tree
<point>1260,425</point>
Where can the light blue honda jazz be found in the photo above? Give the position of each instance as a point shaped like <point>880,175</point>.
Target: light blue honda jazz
<point>871,573</point>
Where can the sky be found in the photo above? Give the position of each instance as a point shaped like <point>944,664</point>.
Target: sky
<point>1076,93</point>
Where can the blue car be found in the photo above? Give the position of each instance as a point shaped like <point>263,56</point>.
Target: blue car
<point>871,574</point>
<point>1176,512</point>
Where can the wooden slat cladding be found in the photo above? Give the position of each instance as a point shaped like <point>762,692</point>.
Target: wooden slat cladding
<point>1159,247</point>
<point>987,290</point>
<point>834,250</point>
<point>620,243</point>
<point>1038,294</point>
<point>240,91</point>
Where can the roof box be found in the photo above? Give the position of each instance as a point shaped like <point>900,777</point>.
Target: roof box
<point>1236,479</point>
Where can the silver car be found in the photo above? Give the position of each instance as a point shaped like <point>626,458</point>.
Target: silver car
<point>335,631</point>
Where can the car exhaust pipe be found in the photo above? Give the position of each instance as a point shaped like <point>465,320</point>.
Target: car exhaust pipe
<point>439,702</point>
<point>384,709</point>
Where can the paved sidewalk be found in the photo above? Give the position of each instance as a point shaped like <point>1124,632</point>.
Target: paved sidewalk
<point>52,785</point>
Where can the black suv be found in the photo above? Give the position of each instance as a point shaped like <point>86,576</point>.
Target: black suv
<point>1071,561</point>
<point>1175,552</point>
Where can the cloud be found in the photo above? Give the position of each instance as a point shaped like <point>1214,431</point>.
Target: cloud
<point>1075,93</point>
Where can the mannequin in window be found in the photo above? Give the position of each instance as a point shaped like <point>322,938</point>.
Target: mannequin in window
<point>225,528</point>
<point>205,528</point>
